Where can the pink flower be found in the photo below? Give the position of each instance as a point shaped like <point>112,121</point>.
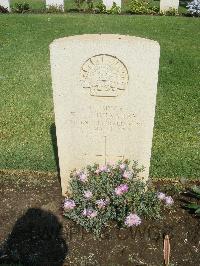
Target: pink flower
<point>89,213</point>
<point>127,174</point>
<point>121,189</point>
<point>69,204</point>
<point>103,168</point>
<point>102,203</point>
<point>161,195</point>
<point>78,172</point>
<point>93,214</point>
<point>169,201</point>
<point>132,219</point>
<point>84,213</point>
<point>97,171</point>
<point>87,194</point>
<point>83,177</point>
<point>122,166</point>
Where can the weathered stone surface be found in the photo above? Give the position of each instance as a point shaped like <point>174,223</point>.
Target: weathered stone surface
<point>55,3</point>
<point>166,5</point>
<point>109,3</point>
<point>6,4</point>
<point>104,89</point>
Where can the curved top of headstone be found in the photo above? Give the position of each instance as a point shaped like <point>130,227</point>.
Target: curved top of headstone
<point>104,37</point>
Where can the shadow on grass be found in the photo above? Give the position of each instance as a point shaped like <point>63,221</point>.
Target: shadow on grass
<point>55,147</point>
<point>36,239</point>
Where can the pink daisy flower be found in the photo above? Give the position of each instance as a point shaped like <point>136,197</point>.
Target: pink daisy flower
<point>87,194</point>
<point>69,204</point>
<point>121,189</point>
<point>169,201</point>
<point>132,219</point>
<point>127,174</point>
<point>161,195</point>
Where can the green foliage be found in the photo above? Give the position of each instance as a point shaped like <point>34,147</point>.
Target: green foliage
<point>21,7</point>
<point>141,7</point>
<point>90,4</point>
<point>117,188</point>
<point>170,12</point>
<point>79,3</point>
<point>54,9</point>
<point>114,9</point>
<point>100,7</point>
<point>192,206</point>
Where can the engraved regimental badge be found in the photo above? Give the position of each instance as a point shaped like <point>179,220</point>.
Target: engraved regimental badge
<point>104,76</point>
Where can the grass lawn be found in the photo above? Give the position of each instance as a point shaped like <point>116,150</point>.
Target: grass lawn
<point>26,106</point>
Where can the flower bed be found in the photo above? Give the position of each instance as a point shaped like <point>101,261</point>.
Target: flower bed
<point>112,192</point>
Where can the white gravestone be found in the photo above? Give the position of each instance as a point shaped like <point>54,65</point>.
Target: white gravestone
<point>109,3</point>
<point>166,5</point>
<point>104,90</point>
<point>55,3</point>
<point>5,3</point>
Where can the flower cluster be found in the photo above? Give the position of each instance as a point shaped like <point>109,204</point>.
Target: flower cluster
<point>111,192</point>
<point>132,219</point>
<point>89,213</point>
<point>102,203</point>
<point>121,189</point>
<point>69,204</point>
<point>81,176</point>
<point>194,7</point>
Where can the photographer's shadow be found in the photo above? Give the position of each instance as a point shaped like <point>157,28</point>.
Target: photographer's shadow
<point>36,239</point>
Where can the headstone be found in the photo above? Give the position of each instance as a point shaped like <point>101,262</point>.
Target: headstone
<point>104,89</point>
<point>166,5</point>
<point>55,3</point>
<point>109,3</point>
<point>5,3</point>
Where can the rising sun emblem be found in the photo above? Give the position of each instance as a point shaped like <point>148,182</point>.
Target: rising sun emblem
<point>104,76</point>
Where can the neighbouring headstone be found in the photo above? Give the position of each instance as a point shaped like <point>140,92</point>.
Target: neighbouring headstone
<point>104,90</point>
<point>5,3</point>
<point>55,3</point>
<point>109,3</point>
<point>167,5</point>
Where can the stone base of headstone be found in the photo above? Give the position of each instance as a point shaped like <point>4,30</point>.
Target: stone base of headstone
<point>6,4</point>
<point>109,3</point>
<point>59,4</point>
<point>167,5</point>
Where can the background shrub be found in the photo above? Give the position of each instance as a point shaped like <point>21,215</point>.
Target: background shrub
<point>54,9</point>
<point>100,7</point>
<point>21,7</point>
<point>114,9</point>
<point>141,7</point>
<point>194,8</point>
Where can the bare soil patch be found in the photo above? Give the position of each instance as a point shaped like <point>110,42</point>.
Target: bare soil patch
<point>32,225</point>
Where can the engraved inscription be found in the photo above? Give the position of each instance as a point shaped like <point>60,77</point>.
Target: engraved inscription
<point>103,119</point>
<point>104,76</point>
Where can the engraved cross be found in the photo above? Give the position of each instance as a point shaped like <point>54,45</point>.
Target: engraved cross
<point>106,155</point>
